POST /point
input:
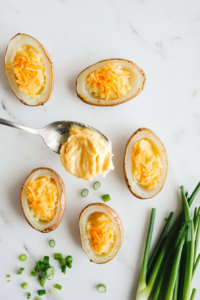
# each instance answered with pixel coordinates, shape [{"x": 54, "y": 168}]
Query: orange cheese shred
[
  {"x": 29, "y": 72},
  {"x": 42, "y": 194},
  {"x": 108, "y": 82},
  {"x": 146, "y": 164},
  {"x": 101, "y": 232}
]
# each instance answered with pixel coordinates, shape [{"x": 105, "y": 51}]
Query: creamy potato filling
[
  {"x": 29, "y": 71},
  {"x": 108, "y": 82},
  {"x": 101, "y": 232},
  {"x": 86, "y": 154},
  {"x": 42, "y": 194},
  {"x": 146, "y": 164}
]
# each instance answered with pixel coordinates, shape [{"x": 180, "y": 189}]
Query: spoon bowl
[{"x": 55, "y": 134}]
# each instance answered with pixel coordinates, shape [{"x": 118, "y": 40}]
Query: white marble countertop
[{"x": 163, "y": 38}]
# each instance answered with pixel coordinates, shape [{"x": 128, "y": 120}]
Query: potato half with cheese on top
[
  {"x": 29, "y": 70},
  {"x": 43, "y": 199},
  {"x": 145, "y": 164},
  {"x": 110, "y": 82},
  {"x": 101, "y": 232}
]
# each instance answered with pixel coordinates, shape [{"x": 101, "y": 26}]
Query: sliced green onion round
[
  {"x": 106, "y": 198},
  {"x": 23, "y": 257},
  {"x": 49, "y": 271},
  {"x": 84, "y": 192},
  {"x": 58, "y": 256},
  {"x": 58, "y": 287},
  {"x": 52, "y": 243},
  {"x": 101, "y": 288},
  {"x": 41, "y": 292},
  {"x": 42, "y": 281},
  {"x": 54, "y": 292},
  {"x": 96, "y": 185},
  {"x": 69, "y": 258},
  {"x": 63, "y": 269},
  {"x": 28, "y": 295},
  {"x": 46, "y": 260},
  {"x": 50, "y": 277},
  {"x": 8, "y": 280},
  {"x": 38, "y": 298},
  {"x": 25, "y": 285},
  {"x": 7, "y": 275},
  {"x": 20, "y": 271},
  {"x": 33, "y": 274}
]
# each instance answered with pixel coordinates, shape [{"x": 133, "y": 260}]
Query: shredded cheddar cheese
[
  {"x": 146, "y": 164},
  {"x": 42, "y": 195},
  {"x": 108, "y": 82},
  {"x": 101, "y": 232},
  {"x": 28, "y": 70}
]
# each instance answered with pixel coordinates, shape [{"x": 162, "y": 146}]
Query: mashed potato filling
[
  {"x": 86, "y": 154},
  {"x": 101, "y": 232},
  {"x": 42, "y": 194},
  {"x": 108, "y": 82},
  {"x": 146, "y": 164},
  {"x": 29, "y": 71}
]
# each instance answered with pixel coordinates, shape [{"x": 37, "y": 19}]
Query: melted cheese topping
[
  {"x": 101, "y": 232},
  {"x": 29, "y": 71},
  {"x": 42, "y": 194},
  {"x": 146, "y": 164},
  {"x": 86, "y": 154},
  {"x": 108, "y": 82}
]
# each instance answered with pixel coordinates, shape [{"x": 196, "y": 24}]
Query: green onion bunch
[{"x": 168, "y": 274}]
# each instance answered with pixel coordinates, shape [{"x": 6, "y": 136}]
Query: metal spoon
[{"x": 54, "y": 134}]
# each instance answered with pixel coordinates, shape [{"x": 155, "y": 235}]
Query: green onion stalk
[{"x": 168, "y": 273}]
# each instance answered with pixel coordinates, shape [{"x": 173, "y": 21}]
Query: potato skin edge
[{"x": 62, "y": 200}]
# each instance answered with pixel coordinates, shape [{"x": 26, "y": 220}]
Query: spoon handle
[{"x": 18, "y": 126}]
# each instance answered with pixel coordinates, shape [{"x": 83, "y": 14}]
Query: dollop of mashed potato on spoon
[{"x": 86, "y": 154}]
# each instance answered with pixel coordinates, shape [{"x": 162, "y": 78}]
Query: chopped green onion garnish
[
  {"x": 58, "y": 256},
  {"x": 63, "y": 262},
  {"x": 8, "y": 280},
  {"x": 52, "y": 243},
  {"x": 42, "y": 281},
  {"x": 101, "y": 288},
  {"x": 33, "y": 274},
  {"x": 69, "y": 258},
  {"x": 23, "y": 257},
  {"x": 49, "y": 271},
  {"x": 25, "y": 285},
  {"x": 38, "y": 266},
  {"x": 38, "y": 298},
  {"x": 69, "y": 264},
  {"x": 53, "y": 292},
  {"x": 41, "y": 292},
  {"x": 106, "y": 198},
  {"x": 43, "y": 266},
  {"x": 7, "y": 275},
  {"x": 84, "y": 192},
  {"x": 28, "y": 295},
  {"x": 50, "y": 277},
  {"x": 20, "y": 271},
  {"x": 58, "y": 287},
  {"x": 97, "y": 185},
  {"x": 46, "y": 260},
  {"x": 63, "y": 269}
]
